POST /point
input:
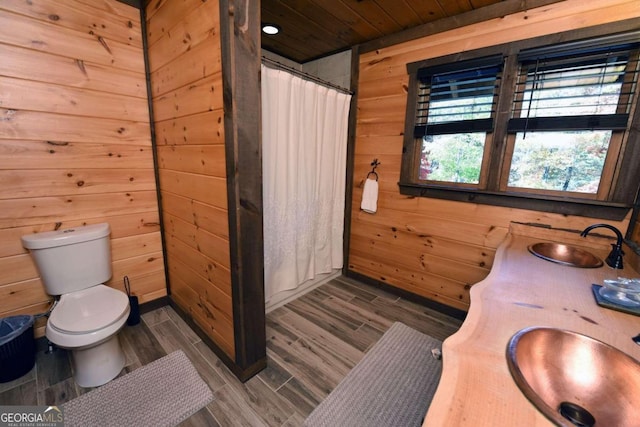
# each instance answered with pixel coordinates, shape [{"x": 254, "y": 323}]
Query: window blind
[
  {"x": 586, "y": 88},
  {"x": 459, "y": 98}
]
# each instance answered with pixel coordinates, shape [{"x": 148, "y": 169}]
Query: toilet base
[{"x": 95, "y": 366}]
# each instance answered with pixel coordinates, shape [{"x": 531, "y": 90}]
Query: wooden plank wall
[
  {"x": 75, "y": 144},
  {"x": 437, "y": 248},
  {"x": 186, "y": 78}
]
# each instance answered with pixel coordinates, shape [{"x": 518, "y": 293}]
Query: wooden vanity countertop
[{"x": 476, "y": 388}]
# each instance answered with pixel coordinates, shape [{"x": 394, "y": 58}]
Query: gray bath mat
[
  {"x": 391, "y": 386},
  {"x": 163, "y": 393}
]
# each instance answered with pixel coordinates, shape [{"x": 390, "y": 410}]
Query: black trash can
[{"x": 17, "y": 347}]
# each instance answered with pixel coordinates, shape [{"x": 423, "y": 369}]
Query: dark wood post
[{"x": 240, "y": 38}]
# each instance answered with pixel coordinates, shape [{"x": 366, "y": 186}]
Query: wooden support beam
[{"x": 240, "y": 36}]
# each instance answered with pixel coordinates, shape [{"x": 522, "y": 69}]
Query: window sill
[{"x": 559, "y": 205}]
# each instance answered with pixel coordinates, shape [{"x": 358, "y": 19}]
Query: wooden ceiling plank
[
  {"x": 374, "y": 14},
  {"x": 400, "y": 12},
  {"x": 325, "y": 20},
  {"x": 294, "y": 23},
  {"x": 312, "y": 41},
  {"x": 495, "y": 10},
  {"x": 455, "y": 7},
  {"x": 476, "y": 4},
  {"x": 312, "y": 29},
  {"x": 428, "y": 10},
  {"x": 285, "y": 48},
  {"x": 347, "y": 16}
]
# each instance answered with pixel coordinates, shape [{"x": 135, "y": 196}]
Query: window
[
  {"x": 528, "y": 125},
  {"x": 455, "y": 112}
]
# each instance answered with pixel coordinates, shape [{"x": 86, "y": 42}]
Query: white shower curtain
[{"x": 304, "y": 143}]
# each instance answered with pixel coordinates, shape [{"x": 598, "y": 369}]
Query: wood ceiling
[{"x": 311, "y": 29}]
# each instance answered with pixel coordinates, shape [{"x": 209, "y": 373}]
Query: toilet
[{"x": 73, "y": 264}]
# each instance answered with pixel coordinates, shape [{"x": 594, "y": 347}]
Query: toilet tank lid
[{"x": 52, "y": 239}]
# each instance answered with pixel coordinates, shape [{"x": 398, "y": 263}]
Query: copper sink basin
[
  {"x": 565, "y": 255},
  {"x": 575, "y": 380}
]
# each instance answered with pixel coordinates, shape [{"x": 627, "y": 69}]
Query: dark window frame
[{"x": 627, "y": 177}]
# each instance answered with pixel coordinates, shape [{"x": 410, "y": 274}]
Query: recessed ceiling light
[{"x": 270, "y": 29}]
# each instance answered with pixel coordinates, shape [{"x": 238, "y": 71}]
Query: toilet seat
[
  {"x": 88, "y": 310},
  {"x": 88, "y": 317}
]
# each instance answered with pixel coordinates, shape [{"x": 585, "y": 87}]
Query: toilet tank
[{"x": 73, "y": 259}]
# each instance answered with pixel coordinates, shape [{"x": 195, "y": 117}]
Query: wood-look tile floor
[{"x": 312, "y": 343}]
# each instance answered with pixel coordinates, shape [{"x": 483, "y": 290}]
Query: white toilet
[{"x": 73, "y": 264}]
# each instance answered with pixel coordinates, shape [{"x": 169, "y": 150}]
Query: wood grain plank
[
  {"x": 172, "y": 339},
  {"x": 24, "y": 155},
  {"x": 385, "y": 274},
  {"x": 197, "y": 129},
  {"x": 35, "y": 183},
  {"x": 270, "y": 407},
  {"x": 369, "y": 127},
  {"x": 23, "y": 394},
  {"x": 199, "y": 26},
  {"x": 396, "y": 85},
  {"x": 81, "y": 17},
  {"x": 31, "y": 125},
  {"x": 162, "y": 16},
  {"x": 147, "y": 287},
  {"x": 200, "y": 96},
  {"x": 373, "y": 13},
  {"x": 19, "y": 94},
  {"x": 298, "y": 393},
  {"x": 143, "y": 341},
  {"x": 203, "y": 188},
  {"x": 17, "y": 295},
  {"x": 477, "y": 234},
  {"x": 29, "y": 33},
  {"x": 199, "y": 159},
  {"x": 230, "y": 410},
  {"x": 127, "y": 247},
  {"x": 122, "y": 226},
  {"x": 40, "y": 66},
  {"x": 306, "y": 362},
  {"x": 373, "y": 145},
  {"x": 302, "y": 326},
  {"x": 202, "y": 314},
  {"x": 390, "y": 109},
  {"x": 414, "y": 243},
  {"x": 413, "y": 318},
  {"x": 207, "y": 217},
  {"x": 24, "y": 212},
  {"x": 17, "y": 268},
  {"x": 182, "y": 325},
  {"x": 361, "y": 291},
  {"x": 114, "y": 7},
  {"x": 210, "y": 245},
  {"x": 355, "y": 311},
  {"x": 205, "y": 267},
  {"x": 198, "y": 63},
  {"x": 142, "y": 265}
]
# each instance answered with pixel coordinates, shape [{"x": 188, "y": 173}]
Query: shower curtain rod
[{"x": 275, "y": 64}]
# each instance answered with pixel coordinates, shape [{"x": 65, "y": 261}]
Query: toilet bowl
[
  {"x": 74, "y": 264},
  {"x": 87, "y": 322}
]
